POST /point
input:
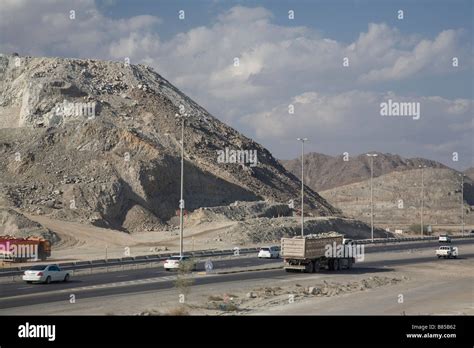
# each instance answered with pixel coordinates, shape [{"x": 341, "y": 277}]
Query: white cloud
[
  {"x": 275, "y": 61},
  {"x": 436, "y": 54},
  {"x": 460, "y": 106},
  {"x": 279, "y": 65},
  {"x": 241, "y": 14},
  {"x": 351, "y": 121},
  {"x": 45, "y": 28}
]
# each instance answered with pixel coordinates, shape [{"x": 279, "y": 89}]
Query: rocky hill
[
  {"x": 98, "y": 142},
  {"x": 323, "y": 172},
  {"x": 397, "y": 198},
  {"x": 16, "y": 224}
]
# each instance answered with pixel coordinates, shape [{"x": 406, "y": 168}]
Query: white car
[
  {"x": 268, "y": 253},
  {"x": 347, "y": 241},
  {"x": 46, "y": 274},
  {"x": 174, "y": 262},
  {"x": 444, "y": 238}
]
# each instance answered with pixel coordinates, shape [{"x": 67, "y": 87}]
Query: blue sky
[
  {"x": 285, "y": 62},
  {"x": 340, "y": 20}
]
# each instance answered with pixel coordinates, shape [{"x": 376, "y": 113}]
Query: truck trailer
[
  {"x": 14, "y": 249},
  {"x": 313, "y": 252}
]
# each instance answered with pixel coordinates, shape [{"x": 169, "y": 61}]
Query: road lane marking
[
  {"x": 106, "y": 285},
  {"x": 92, "y": 287}
]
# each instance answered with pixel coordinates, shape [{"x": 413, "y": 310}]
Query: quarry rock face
[{"x": 98, "y": 142}]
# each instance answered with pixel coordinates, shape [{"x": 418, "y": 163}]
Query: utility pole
[
  {"x": 181, "y": 200},
  {"x": 106, "y": 258},
  {"x": 462, "y": 203},
  {"x": 372, "y": 155},
  {"x": 422, "y": 197},
  {"x": 302, "y": 184}
]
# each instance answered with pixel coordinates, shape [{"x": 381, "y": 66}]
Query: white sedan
[
  {"x": 174, "y": 262},
  {"x": 444, "y": 238},
  {"x": 269, "y": 253},
  {"x": 46, "y": 274}
]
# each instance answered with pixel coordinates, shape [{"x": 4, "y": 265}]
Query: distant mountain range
[
  {"x": 397, "y": 198},
  {"x": 323, "y": 172},
  {"x": 397, "y": 188}
]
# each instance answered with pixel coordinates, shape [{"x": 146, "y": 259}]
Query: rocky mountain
[
  {"x": 98, "y": 142},
  {"x": 16, "y": 224},
  {"x": 323, "y": 172},
  {"x": 397, "y": 198}
]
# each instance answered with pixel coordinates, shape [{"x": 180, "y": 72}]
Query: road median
[{"x": 250, "y": 269}]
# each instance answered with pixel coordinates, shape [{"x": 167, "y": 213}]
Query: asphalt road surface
[
  {"x": 130, "y": 275},
  {"x": 155, "y": 279}
]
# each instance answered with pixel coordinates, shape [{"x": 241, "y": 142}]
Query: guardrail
[
  {"x": 400, "y": 240},
  {"x": 77, "y": 265}
]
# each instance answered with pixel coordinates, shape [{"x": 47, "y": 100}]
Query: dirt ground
[{"x": 86, "y": 242}]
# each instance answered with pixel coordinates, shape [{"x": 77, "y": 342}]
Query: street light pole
[
  {"x": 302, "y": 184},
  {"x": 181, "y": 200},
  {"x": 422, "y": 198},
  {"x": 462, "y": 203},
  {"x": 372, "y": 155}
]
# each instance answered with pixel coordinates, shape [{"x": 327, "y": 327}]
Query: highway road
[
  {"x": 148, "y": 279},
  {"x": 14, "y": 289}
]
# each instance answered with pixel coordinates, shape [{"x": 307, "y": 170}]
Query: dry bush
[
  {"x": 215, "y": 298},
  {"x": 181, "y": 310}
]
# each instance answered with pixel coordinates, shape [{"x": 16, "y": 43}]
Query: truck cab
[{"x": 6, "y": 256}]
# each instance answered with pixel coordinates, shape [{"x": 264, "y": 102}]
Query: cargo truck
[
  {"x": 14, "y": 249},
  {"x": 313, "y": 252}
]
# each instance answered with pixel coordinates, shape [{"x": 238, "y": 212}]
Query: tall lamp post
[
  {"x": 462, "y": 202},
  {"x": 302, "y": 183},
  {"x": 422, "y": 197},
  {"x": 181, "y": 117},
  {"x": 372, "y": 155}
]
